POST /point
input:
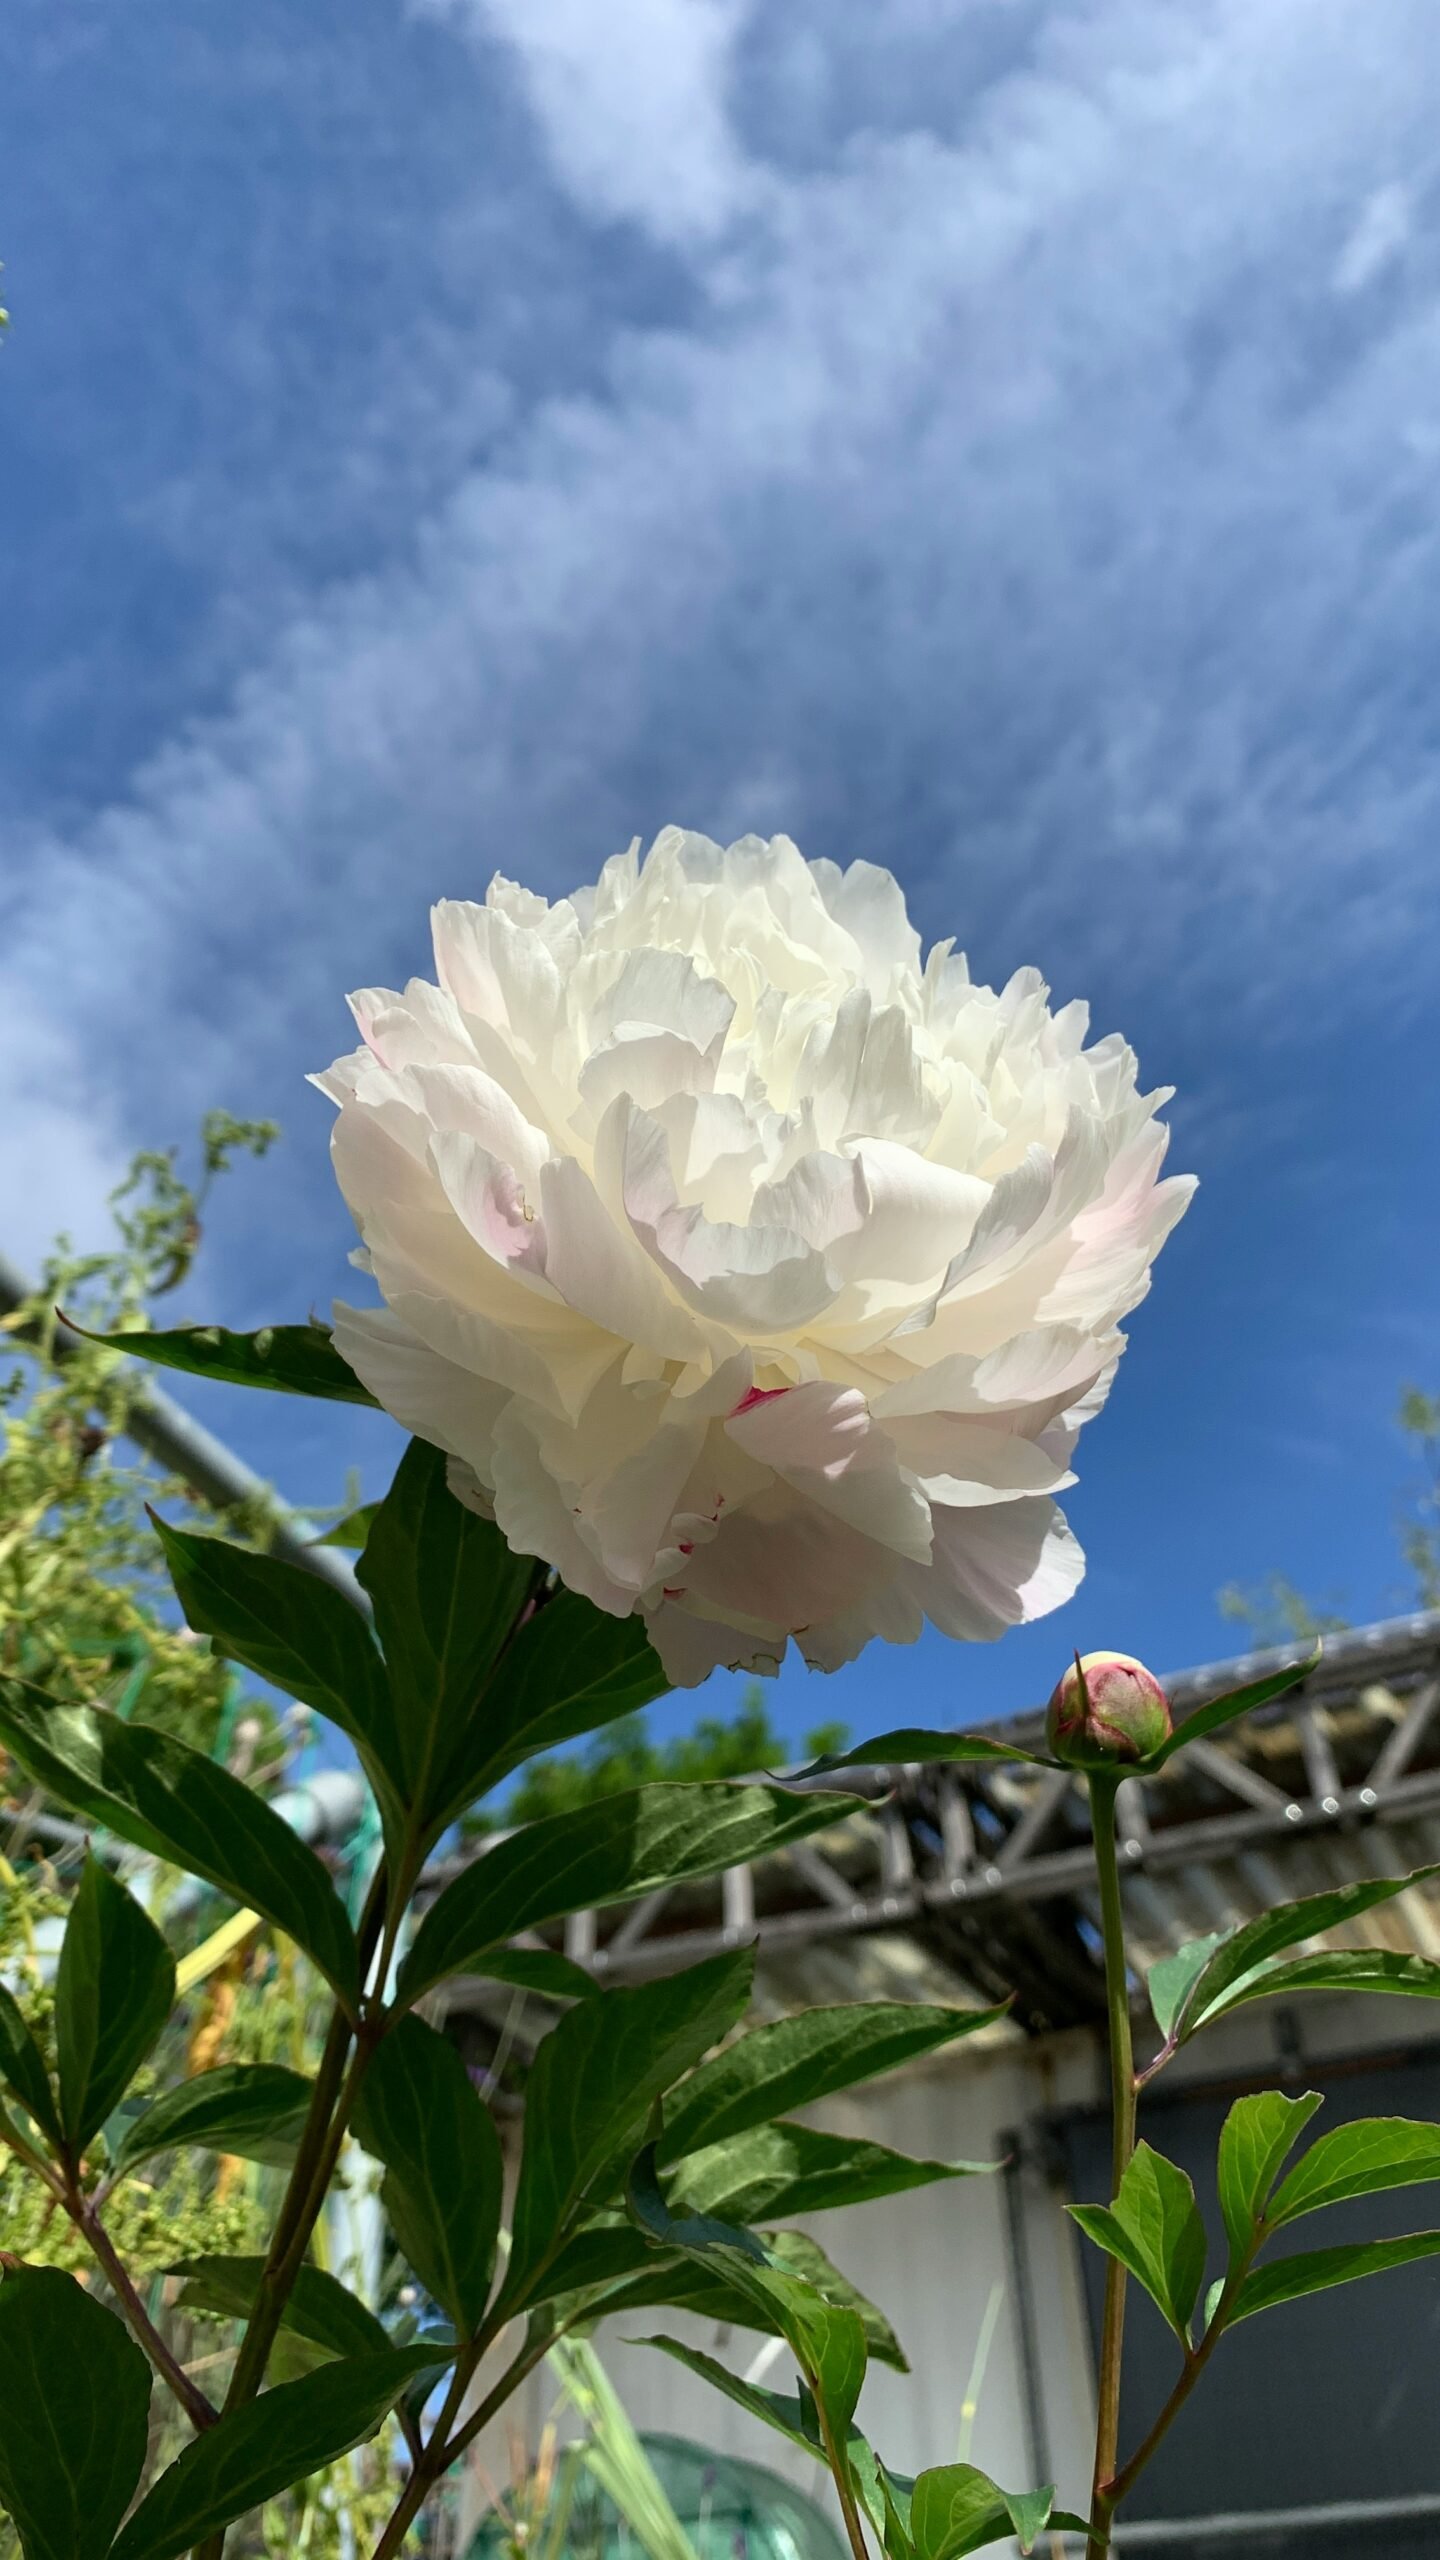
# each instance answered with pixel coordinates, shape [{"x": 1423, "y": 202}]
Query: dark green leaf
[
  {"x": 1167, "y": 1982},
  {"x": 1315, "y": 2269},
  {"x": 319, "y": 2307},
  {"x": 22, "y": 2067},
  {"x": 295, "y": 1359},
  {"x": 797, "y": 2254},
  {"x": 74, "y": 2409},
  {"x": 609, "y": 1852},
  {"x": 910, "y": 1744},
  {"x": 1218, "y": 1984},
  {"x": 254, "y": 2452},
  {"x": 600, "y": 2282},
  {"x": 291, "y": 1628},
  {"x": 256, "y": 2110},
  {"x": 793, "y": 2061},
  {"x": 1154, "y": 2229},
  {"x": 593, "y": 2083},
  {"x": 955, "y": 2509},
  {"x": 159, "y": 1794},
  {"x": 782, "y": 2410},
  {"x": 1224, "y": 1710},
  {"x": 1254, "y": 2139},
  {"x": 569, "y": 1670},
  {"x": 1359, "y": 2159},
  {"x": 537, "y": 1969},
  {"x": 114, "y": 1990},
  {"x": 419, "y": 2112},
  {"x": 783, "y": 2169},
  {"x": 446, "y": 1590}
]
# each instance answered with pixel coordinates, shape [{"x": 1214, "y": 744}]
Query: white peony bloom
[{"x": 759, "y": 1277}]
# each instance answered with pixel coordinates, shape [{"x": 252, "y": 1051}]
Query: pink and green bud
[{"x": 1107, "y": 1709}]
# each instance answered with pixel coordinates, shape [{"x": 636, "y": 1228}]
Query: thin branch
[{"x": 201, "y": 2412}]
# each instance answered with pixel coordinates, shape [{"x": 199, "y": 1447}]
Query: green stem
[
  {"x": 87, "y": 2221},
  {"x": 445, "y": 2448},
  {"x": 840, "y": 2473},
  {"x": 1196, "y": 2359},
  {"x": 1104, "y": 2493}
]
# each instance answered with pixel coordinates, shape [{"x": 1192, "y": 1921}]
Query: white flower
[{"x": 758, "y": 1277}]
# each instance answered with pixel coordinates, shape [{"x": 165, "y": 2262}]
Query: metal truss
[{"x": 986, "y": 1870}]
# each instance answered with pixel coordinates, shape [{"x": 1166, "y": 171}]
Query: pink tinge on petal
[{"x": 757, "y": 1395}]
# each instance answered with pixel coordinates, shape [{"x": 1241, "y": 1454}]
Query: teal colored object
[{"x": 730, "y": 2509}]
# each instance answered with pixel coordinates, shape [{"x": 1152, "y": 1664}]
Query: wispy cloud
[{"x": 1015, "y": 462}]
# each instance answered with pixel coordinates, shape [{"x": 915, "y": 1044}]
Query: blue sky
[{"x": 998, "y": 438}]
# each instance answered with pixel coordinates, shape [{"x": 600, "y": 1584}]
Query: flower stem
[
  {"x": 86, "y": 2219},
  {"x": 1122, "y": 2143}
]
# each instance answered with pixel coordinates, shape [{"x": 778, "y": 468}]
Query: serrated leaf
[
  {"x": 255, "y": 2110},
  {"x": 1167, "y": 1982},
  {"x": 22, "y": 2067},
  {"x": 250, "y": 2454},
  {"x": 1236, "y": 1702},
  {"x": 74, "y": 2411},
  {"x": 908, "y": 1745},
  {"x": 446, "y": 1591},
  {"x": 1242, "y": 1952},
  {"x": 614, "y": 1851},
  {"x": 1314, "y": 2270},
  {"x": 289, "y": 1627},
  {"x": 1256, "y": 2134},
  {"x": 591, "y": 2088},
  {"x": 419, "y": 2112},
  {"x": 157, "y": 1793},
  {"x": 114, "y": 1991},
  {"x": 790, "y": 2062},
  {"x": 784, "y": 2169},
  {"x": 1365, "y": 2158},
  {"x": 292, "y": 1359},
  {"x": 1154, "y": 2229},
  {"x": 569, "y": 1670},
  {"x": 318, "y": 2308}
]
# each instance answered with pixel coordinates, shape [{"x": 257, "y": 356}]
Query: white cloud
[
  {"x": 631, "y": 98},
  {"x": 1020, "y": 508}
]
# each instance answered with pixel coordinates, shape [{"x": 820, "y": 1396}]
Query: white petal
[{"x": 432, "y": 1397}]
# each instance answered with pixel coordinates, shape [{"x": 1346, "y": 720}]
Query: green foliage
[
  {"x": 1254, "y": 2139},
  {"x": 625, "y": 1756},
  {"x": 74, "y": 2409},
  {"x": 248, "y": 2110},
  {"x": 320, "y": 2309},
  {"x": 419, "y": 2113},
  {"x": 1154, "y": 2229},
  {"x": 793, "y": 2061},
  {"x": 782, "y": 2169},
  {"x": 1217, "y": 1974},
  {"x": 113, "y": 1995}
]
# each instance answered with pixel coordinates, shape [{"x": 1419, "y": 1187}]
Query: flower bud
[{"x": 1107, "y": 1708}]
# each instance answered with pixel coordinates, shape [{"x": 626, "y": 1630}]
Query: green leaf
[
  {"x": 591, "y": 2088},
  {"x": 419, "y": 2112},
  {"x": 114, "y": 1990},
  {"x": 289, "y": 1627},
  {"x": 1360, "y": 2159},
  {"x": 160, "y": 1795},
  {"x": 793, "y": 2168},
  {"x": 793, "y": 2061},
  {"x": 22, "y": 2068},
  {"x": 1315, "y": 2269},
  {"x": 570, "y": 1669},
  {"x": 446, "y": 1591},
  {"x": 797, "y": 2254},
  {"x": 1369, "y": 1969},
  {"x": 784, "y": 2411},
  {"x": 255, "y": 2110},
  {"x": 294, "y": 1359},
  {"x": 910, "y": 1744},
  {"x": 1167, "y": 1982},
  {"x": 1254, "y": 2139},
  {"x": 1225, "y": 1979},
  {"x": 254, "y": 2452},
  {"x": 1154, "y": 2229},
  {"x": 602, "y": 2282},
  {"x": 955, "y": 2509},
  {"x": 1238, "y": 1702},
  {"x": 352, "y": 1531},
  {"x": 319, "y": 2308},
  {"x": 74, "y": 2412},
  {"x": 613, "y": 1851},
  {"x": 537, "y": 1969}
]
